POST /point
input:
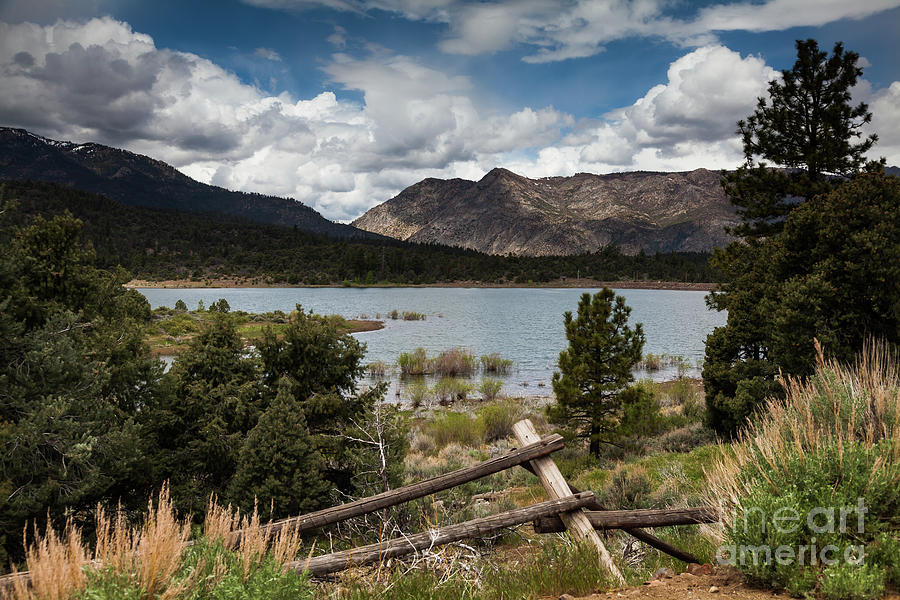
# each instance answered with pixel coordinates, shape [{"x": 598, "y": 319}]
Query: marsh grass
[
  {"x": 454, "y": 362},
  {"x": 378, "y": 369},
  {"x": 496, "y": 364},
  {"x": 414, "y": 363}
]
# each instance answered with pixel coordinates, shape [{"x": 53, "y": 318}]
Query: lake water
[{"x": 521, "y": 324}]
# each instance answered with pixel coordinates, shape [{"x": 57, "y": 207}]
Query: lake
[{"x": 522, "y": 324}]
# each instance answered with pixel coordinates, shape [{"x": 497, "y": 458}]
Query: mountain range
[
  {"x": 505, "y": 213},
  {"x": 138, "y": 180}
]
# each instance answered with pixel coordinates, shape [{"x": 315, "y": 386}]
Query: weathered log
[
  {"x": 556, "y": 487},
  {"x": 626, "y": 519},
  {"x": 374, "y": 553},
  {"x": 640, "y": 534},
  {"x": 530, "y": 451}
]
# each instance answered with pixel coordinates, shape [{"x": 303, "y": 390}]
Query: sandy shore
[{"x": 569, "y": 283}]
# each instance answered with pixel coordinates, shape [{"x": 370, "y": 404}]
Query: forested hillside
[{"x": 159, "y": 244}]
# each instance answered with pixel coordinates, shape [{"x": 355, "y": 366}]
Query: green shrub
[
  {"x": 449, "y": 389},
  {"x": 416, "y": 392},
  {"x": 489, "y": 388},
  {"x": 180, "y": 324},
  {"x": 496, "y": 420},
  {"x": 409, "y": 315},
  {"x": 641, "y": 414},
  {"x": 627, "y": 487},
  {"x": 829, "y": 446},
  {"x": 180, "y": 305},
  {"x": 453, "y": 427},
  {"x": 683, "y": 439},
  {"x": 848, "y": 582}
]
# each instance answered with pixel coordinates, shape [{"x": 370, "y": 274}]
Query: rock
[
  {"x": 713, "y": 589},
  {"x": 566, "y": 597},
  {"x": 695, "y": 569},
  {"x": 506, "y": 213}
]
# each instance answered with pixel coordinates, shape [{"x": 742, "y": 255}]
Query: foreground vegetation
[
  {"x": 138, "y": 558},
  {"x": 820, "y": 467}
]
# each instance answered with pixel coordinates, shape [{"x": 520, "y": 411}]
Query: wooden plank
[
  {"x": 640, "y": 534},
  {"x": 526, "y": 452},
  {"x": 626, "y": 519},
  {"x": 374, "y": 553},
  {"x": 555, "y": 485}
]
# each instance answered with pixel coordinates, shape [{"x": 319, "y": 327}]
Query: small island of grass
[{"x": 171, "y": 329}]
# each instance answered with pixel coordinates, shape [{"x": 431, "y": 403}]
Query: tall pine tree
[{"x": 596, "y": 367}]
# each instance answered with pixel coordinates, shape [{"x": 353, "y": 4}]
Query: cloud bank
[
  {"x": 101, "y": 81},
  {"x": 580, "y": 28}
]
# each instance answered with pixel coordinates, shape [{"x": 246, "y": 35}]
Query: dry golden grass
[
  {"x": 149, "y": 555},
  {"x": 55, "y": 565},
  {"x": 843, "y": 404}
]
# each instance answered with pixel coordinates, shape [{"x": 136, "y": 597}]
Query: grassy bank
[{"x": 172, "y": 330}]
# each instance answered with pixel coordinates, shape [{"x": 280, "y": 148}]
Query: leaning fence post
[{"x": 555, "y": 484}]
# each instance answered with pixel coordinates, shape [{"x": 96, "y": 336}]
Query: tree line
[{"x": 159, "y": 244}]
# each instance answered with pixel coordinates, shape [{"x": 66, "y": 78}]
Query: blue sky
[{"x": 343, "y": 103}]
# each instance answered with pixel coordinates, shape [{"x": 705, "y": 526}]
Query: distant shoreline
[{"x": 569, "y": 283}]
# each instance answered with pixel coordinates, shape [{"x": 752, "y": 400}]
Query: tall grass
[
  {"x": 454, "y": 362},
  {"x": 494, "y": 363},
  {"x": 150, "y": 560},
  {"x": 414, "y": 363},
  {"x": 834, "y": 438}
]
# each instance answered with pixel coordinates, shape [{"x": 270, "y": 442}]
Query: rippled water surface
[{"x": 522, "y": 324}]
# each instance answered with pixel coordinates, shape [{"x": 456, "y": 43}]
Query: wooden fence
[{"x": 568, "y": 509}]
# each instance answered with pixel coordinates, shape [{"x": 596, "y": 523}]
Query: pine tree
[
  {"x": 810, "y": 130},
  {"x": 597, "y": 365},
  {"x": 809, "y": 127},
  {"x": 278, "y": 464}
]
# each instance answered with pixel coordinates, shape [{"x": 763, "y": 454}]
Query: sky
[{"x": 341, "y": 104}]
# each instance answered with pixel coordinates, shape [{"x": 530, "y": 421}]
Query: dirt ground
[{"x": 700, "y": 582}]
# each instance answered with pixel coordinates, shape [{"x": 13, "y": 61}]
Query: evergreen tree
[
  {"x": 278, "y": 465},
  {"x": 597, "y": 365},
  {"x": 215, "y": 400},
  {"x": 76, "y": 379},
  {"x": 322, "y": 366},
  {"x": 807, "y": 127}
]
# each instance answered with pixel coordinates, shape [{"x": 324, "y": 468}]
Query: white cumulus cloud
[{"x": 101, "y": 81}]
